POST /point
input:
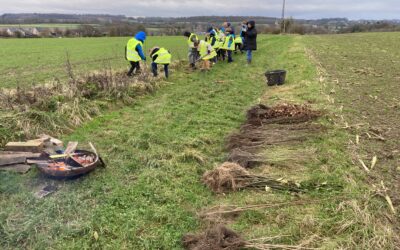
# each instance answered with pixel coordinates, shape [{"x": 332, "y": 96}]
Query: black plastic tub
[{"x": 275, "y": 77}]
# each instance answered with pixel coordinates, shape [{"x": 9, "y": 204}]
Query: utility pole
[{"x": 283, "y": 27}]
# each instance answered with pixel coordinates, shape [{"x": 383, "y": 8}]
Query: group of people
[
  {"x": 218, "y": 45},
  {"x": 134, "y": 54}
]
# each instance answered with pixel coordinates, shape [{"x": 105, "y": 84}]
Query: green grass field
[
  {"x": 158, "y": 148},
  {"x": 35, "y": 61}
]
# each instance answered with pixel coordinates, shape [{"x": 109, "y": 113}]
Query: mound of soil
[
  {"x": 216, "y": 238},
  {"x": 280, "y": 114}
]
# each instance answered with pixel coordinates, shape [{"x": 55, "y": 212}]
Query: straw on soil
[{"x": 216, "y": 238}]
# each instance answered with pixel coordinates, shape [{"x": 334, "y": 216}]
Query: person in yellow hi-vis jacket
[
  {"x": 193, "y": 53},
  {"x": 212, "y": 39},
  {"x": 134, "y": 52},
  {"x": 229, "y": 44},
  {"x": 160, "y": 56},
  {"x": 207, "y": 53},
  {"x": 221, "y": 40},
  {"x": 239, "y": 44}
]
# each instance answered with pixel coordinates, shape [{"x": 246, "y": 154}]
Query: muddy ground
[{"x": 364, "y": 81}]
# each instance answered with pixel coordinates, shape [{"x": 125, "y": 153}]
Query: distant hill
[
  {"x": 119, "y": 25},
  {"x": 33, "y": 18}
]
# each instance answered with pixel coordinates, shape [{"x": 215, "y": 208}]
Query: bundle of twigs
[
  {"x": 281, "y": 114},
  {"x": 220, "y": 237},
  {"x": 232, "y": 177}
]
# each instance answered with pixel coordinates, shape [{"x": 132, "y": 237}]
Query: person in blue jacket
[{"x": 134, "y": 52}]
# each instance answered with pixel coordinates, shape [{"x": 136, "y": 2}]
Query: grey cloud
[{"x": 299, "y": 9}]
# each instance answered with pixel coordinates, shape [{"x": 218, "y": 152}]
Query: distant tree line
[
  {"x": 177, "y": 26},
  {"x": 372, "y": 27},
  {"x": 84, "y": 30}
]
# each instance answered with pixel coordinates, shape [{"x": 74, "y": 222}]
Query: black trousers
[
  {"x": 135, "y": 68},
  {"x": 154, "y": 68}
]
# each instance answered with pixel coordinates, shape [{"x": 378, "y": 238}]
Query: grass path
[{"x": 156, "y": 151}]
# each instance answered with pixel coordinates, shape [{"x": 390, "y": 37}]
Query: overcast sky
[{"x": 353, "y": 9}]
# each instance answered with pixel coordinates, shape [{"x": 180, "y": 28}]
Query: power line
[{"x": 283, "y": 17}]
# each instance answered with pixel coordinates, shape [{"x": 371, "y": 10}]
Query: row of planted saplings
[{"x": 232, "y": 176}]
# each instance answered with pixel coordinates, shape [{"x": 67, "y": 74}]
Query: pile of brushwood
[
  {"x": 283, "y": 124},
  {"x": 216, "y": 238},
  {"x": 232, "y": 177},
  {"x": 280, "y": 114},
  {"x": 220, "y": 237}
]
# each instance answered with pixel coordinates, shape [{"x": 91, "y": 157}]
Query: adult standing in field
[
  {"x": 160, "y": 56},
  {"x": 250, "y": 40},
  {"x": 134, "y": 52},
  {"x": 193, "y": 52}
]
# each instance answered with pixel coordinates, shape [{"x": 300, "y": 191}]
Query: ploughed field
[
  {"x": 343, "y": 87},
  {"x": 34, "y": 61}
]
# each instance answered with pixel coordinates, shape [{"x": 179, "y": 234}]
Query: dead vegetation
[
  {"x": 220, "y": 237},
  {"x": 216, "y": 238},
  {"x": 284, "y": 124},
  {"x": 266, "y": 128},
  {"x": 232, "y": 177},
  {"x": 59, "y": 107},
  {"x": 280, "y": 114}
]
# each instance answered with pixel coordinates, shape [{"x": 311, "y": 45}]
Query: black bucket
[{"x": 275, "y": 77}]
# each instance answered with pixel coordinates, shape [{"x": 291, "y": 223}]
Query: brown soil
[{"x": 216, "y": 238}]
